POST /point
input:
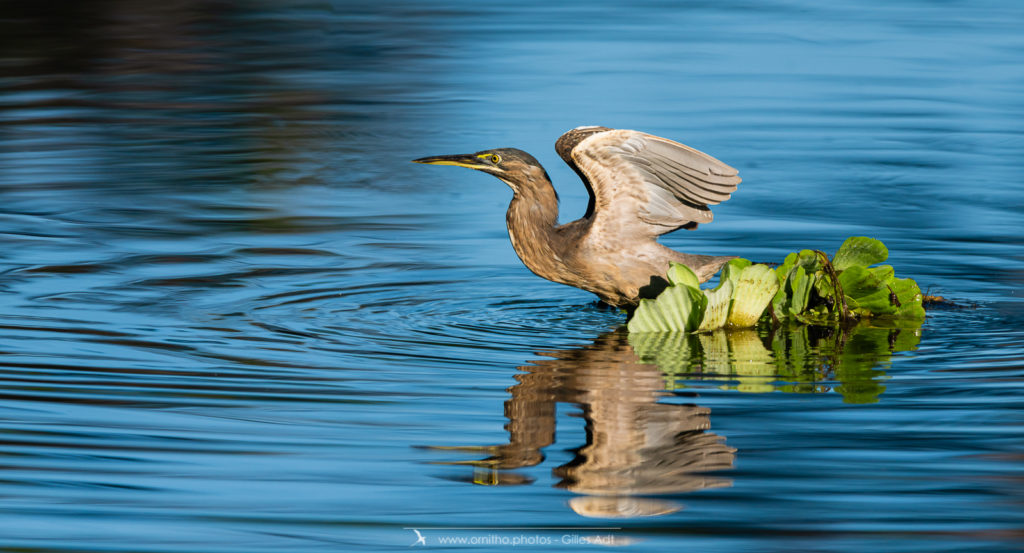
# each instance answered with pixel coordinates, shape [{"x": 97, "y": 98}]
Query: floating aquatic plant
[{"x": 807, "y": 287}]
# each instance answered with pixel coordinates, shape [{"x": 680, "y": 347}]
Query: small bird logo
[{"x": 420, "y": 540}]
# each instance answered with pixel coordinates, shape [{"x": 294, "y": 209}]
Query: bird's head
[{"x": 516, "y": 168}]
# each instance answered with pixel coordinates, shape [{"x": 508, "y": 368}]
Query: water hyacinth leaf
[
  {"x": 866, "y": 294},
  {"x": 820, "y": 315},
  {"x": 701, "y": 301},
  {"x": 859, "y": 250},
  {"x": 809, "y": 260},
  {"x": 681, "y": 275},
  {"x": 885, "y": 273},
  {"x": 782, "y": 300},
  {"x": 675, "y": 318},
  {"x": 908, "y": 295},
  {"x": 825, "y": 289},
  {"x": 732, "y": 270},
  {"x": 717, "y": 311},
  {"x": 756, "y": 287},
  {"x": 780, "y": 303},
  {"x": 677, "y": 309},
  {"x": 782, "y": 271},
  {"x": 647, "y": 318},
  {"x": 800, "y": 283}
]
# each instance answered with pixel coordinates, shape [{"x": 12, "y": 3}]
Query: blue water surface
[{"x": 235, "y": 318}]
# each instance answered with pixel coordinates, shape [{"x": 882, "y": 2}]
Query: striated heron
[{"x": 641, "y": 186}]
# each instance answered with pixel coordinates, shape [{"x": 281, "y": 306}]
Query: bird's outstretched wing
[{"x": 643, "y": 185}]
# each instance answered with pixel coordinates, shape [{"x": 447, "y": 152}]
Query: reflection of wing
[{"x": 642, "y": 185}]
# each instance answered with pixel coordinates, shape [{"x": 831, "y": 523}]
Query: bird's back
[{"x": 622, "y": 273}]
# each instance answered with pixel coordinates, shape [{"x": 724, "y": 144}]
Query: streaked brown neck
[{"x": 532, "y": 217}]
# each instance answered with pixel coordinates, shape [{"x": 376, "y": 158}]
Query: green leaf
[
  {"x": 826, "y": 291},
  {"x": 908, "y": 294},
  {"x": 753, "y": 291},
  {"x": 647, "y": 318},
  {"x": 801, "y": 285},
  {"x": 717, "y": 310},
  {"x": 870, "y": 296},
  {"x": 782, "y": 271},
  {"x": 780, "y": 304},
  {"x": 866, "y": 294},
  {"x": 781, "y": 301},
  {"x": 885, "y": 273},
  {"x": 677, "y": 309},
  {"x": 681, "y": 275},
  {"x": 809, "y": 260},
  {"x": 732, "y": 270},
  {"x": 859, "y": 250}
]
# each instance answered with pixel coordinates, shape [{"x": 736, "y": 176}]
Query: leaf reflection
[{"x": 804, "y": 359}]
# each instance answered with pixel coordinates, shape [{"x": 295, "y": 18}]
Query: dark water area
[{"x": 235, "y": 318}]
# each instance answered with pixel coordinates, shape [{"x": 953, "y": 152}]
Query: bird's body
[{"x": 641, "y": 186}]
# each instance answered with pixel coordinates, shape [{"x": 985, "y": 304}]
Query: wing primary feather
[
  {"x": 664, "y": 184},
  {"x": 701, "y": 161},
  {"x": 662, "y": 177},
  {"x": 663, "y": 208},
  {"x": 696, "y": 173},
  {"x": 716, "y": 192}
]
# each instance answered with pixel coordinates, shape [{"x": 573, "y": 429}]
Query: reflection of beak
[{"x": 470, "y": 161}]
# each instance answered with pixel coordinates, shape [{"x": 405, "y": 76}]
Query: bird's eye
[{"x": 495, "y": 158}]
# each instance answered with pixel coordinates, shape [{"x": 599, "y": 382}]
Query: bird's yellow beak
[{"x": 470, "y": 161}]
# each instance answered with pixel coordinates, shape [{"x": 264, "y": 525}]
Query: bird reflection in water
[{"x": 636, "y": 446}]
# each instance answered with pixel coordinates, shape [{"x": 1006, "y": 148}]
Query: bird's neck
[{"x": 532, "y": 220}]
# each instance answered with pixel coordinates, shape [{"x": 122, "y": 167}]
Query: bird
[{"x": 641, "y": 186}]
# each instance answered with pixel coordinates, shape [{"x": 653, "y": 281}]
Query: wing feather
[
  {"x": 645, "y": 185},
  {"x": 668, "y": 173}
]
